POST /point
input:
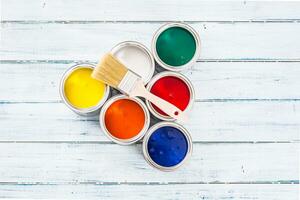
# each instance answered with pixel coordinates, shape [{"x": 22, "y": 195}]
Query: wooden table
[{"x": 245, "y": 123}]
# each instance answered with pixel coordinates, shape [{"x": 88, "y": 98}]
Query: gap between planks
[
  {"x": 278, "y": 182},
  {"x": 140, "y": 142},
  {"x": 196, "y": 100},
  {"x": 93, "y": 61},
  {"x": 147, "y": 22}
]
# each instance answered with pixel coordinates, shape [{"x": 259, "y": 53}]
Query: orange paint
[{"x": 124, "y": 119}]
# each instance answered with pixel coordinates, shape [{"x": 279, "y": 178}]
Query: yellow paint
[{"x": 81, "y": 90}]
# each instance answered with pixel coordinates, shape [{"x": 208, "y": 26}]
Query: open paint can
[
  {"x": 174, "y": 88},
  {"x": 124, "y": 120},
  {"x": 80, "y": 92},
  {"x": 167, "y": 145},
  {"x": 176, "y": 46},
  {"x": 136, "y": 57}
]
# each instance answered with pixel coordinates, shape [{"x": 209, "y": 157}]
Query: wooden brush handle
[
  {"x": 162, "y": 104},
  {"x": 167, "y": 107}
]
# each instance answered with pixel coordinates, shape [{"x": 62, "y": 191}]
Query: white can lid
[{"x": 135, "y": 57}]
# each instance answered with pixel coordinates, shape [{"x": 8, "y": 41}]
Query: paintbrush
[{"x": 112, "y": 72}]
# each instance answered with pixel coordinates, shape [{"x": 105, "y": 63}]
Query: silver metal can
[
  {"x": 190, "y": 30},
  {"x": 136, "y": 138},
  {"x": 81, "y": 111},
  {"x": 170, "y": 74},
  {"x": 136, "y": 57},
  {"x": 167, "y": 148}
]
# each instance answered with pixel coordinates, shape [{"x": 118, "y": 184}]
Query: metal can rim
[
  {"x": 65, "y": 99},
  {"x": 136, "y": 138},
  {"x": 143, "y": 48},
  {"x": 150, "y": 132},
  {"x": 186, "y": 27},
  {"x": 181, "y": 77}
]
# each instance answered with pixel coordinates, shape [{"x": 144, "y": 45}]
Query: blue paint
[{"x": 167, "y": 146}]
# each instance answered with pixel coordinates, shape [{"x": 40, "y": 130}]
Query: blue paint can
[{"x": 167, "y": 145}]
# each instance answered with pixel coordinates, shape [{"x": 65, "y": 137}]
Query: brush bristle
[{"x": 110, "y": 71}]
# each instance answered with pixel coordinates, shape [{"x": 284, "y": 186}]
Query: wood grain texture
[
  {"x": 89, "y": 41},
  {"x": 164, "y": 192},
  {"x": 110, "y": 164},
  {"x": 39, "y": 82},
  {"x": 246, "y": 121},
  {"x": 128, "y": 10}
]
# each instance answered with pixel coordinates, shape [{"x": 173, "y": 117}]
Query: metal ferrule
[
  {"x": 128, "y": 82},
  {"x": 143, "y": 48}
]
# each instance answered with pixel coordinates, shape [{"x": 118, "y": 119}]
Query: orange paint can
[{"x": 124, "y": 120}]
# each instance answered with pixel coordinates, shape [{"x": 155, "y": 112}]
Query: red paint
[{"x": 173, "y": 90}]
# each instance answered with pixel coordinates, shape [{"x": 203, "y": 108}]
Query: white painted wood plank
[
  {"x": 90, "y": 162},
  {"x": 147, "y": 10},
  {"x": 85, "y": 163},
  {"x": 209, "y": 121},
  {"x": 211, "y": 80},
  {"x": 186, "y": 191},
  {"x": 89, "y": 41}
]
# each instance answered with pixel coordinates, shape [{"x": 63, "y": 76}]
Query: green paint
[{"x": 175, "y": 46}]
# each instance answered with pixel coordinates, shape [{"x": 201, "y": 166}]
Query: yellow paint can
[{"x": 81, "y": 92}]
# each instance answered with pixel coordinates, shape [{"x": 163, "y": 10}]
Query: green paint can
[{"x": 176, "y": 46}]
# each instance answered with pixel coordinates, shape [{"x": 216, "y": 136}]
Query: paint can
[
  {"x": 174, "y": 88},
  {"x": 176, "y": 46},
  {"x": 136, "y": 57},
  {"x": 120, "y": 119},
  {"x": 77, "y": 86},
  {"x": 167, "y": 146}
]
